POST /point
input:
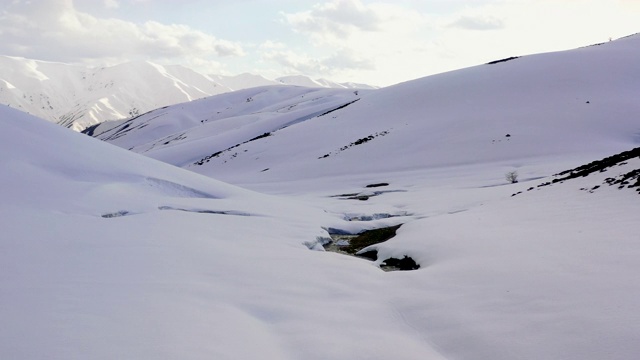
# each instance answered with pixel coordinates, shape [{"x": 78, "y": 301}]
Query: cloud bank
[
  {"x": 55, "y": 30},
  {"x": 379, "y": 42}
]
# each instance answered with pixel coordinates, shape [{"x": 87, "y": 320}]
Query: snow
[
  {"x": 532, "y": 107},
  {"x": 71, "y": 95},
  {"x": 110, "y": 254}
]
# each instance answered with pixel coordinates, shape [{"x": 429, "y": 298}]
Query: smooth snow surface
[{"x": 108, "y": 254}]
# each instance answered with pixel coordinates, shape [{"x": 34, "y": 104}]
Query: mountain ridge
[
  {"x": 559, "y": 103},
  {"x": 77, "y": 96}
]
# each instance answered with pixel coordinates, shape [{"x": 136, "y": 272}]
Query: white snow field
[{"x": 108, "y": 254}]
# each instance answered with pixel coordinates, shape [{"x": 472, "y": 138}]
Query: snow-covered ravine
[
  {"x": 232, "y": 276},
  {"x": 109, "y": 254}
]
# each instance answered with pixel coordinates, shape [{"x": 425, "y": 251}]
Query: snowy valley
[{"x": 199, "y": 230}]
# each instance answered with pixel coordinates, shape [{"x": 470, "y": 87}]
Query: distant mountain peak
[{"x": 79, "y": 96}]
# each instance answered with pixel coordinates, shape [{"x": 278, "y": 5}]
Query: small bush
[{"x": 511, "y": 176}]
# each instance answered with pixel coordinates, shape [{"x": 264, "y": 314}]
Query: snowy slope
[
  {"x": 78, "y": 97},
  {"x": 243, "y": 81},
  {"x": 580, "y": 103},
  {"x": 224, "y": 120},
  {"x": 247, "y": 80},
  {"x": 107, "y": 254}
]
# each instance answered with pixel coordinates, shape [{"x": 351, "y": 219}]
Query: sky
[{"x": 373, "y": 42}]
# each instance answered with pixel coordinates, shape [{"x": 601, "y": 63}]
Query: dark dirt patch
[
  {"x": 502, "y": 60},
  {"x": 377, "y": 185},
  {"x": 355, "y": 243},
  {"x": 370, "y": 237},
  {"x": 406, "y": 263},
  {"x": 630, "y": 179}
]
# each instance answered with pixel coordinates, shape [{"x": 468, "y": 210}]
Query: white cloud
[
  {"x": 338, "y": 17},
  {"x": 338, "y": 21},
  {"x": 55, "y": 30},
  {"x": 478, "y": 23},
  {"x": 360, "y": 38},
  {"x": 272, "y": 45},
  {"x": 348, "y": 60},
  {"x": 397, "y": 43},
  {"x": 297, "y": 63},
  {"x": 111, "y": 4},
  {"x": 369, "y": 41}
]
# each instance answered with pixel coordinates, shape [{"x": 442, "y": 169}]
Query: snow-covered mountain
[
  {"x": 109, "y": 254},
  {"x": 224, "y": 119},
  {"x": 301, "y": 80},
  {"x": 243, "y": 81},
  {"x": 578, "y": 103},
  {"x": 246, "y": 81},
  {"x": 77, "y": 97}
]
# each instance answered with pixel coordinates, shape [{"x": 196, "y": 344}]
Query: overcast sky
[{"x": 374, "y": 42}]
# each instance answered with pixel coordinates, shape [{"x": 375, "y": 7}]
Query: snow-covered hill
[
  {"x": 246, "y": 81},
  {"x": 301, "y": 80},
  {"x": 224, "y": 120},
  {"x": 78, "y": 97},
  {"x": 580, "y": 103},
  {"x": 109, "y": 254}
]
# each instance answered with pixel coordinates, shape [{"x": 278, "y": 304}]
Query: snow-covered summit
[{"x": 77, "y": 96}]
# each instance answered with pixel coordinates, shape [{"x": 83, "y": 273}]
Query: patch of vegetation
[
  {"x": 598, "y": 165},
  {"x": 502, "y": 60},
  {"x": 367, "y": 238},
  {"x": 115, "y": 214},
  {"x": 511, "y": 176},
  {"x": 370, "y": 237},
  {"x": 377, "y": 185},
  {"x": 357, "y": 142},
  {"x": 207, "y": 158},
  {"x": 359, "y": 197},
  {"x": 258, "y": 137},
  {"x": 90, "y": 130},
  {"x": 338, "y": 108},
  {"x": 404, "y": 264},
  {"x": 630, "y": 179},
  {"x": 175, "y": 138},
  {"x": 371, "y": 255}
]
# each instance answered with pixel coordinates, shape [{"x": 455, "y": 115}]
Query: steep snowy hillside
[
  {"x": 78, "y": 97},
  {"x": 301, "y": 80},
  {"x": 224, "y": 120},
  {"x": 243, "y": 81},
  {"x": 107, "y": 254},
  {"x": 580, "y": 103},
  {"x": 246, "y": 81}
]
